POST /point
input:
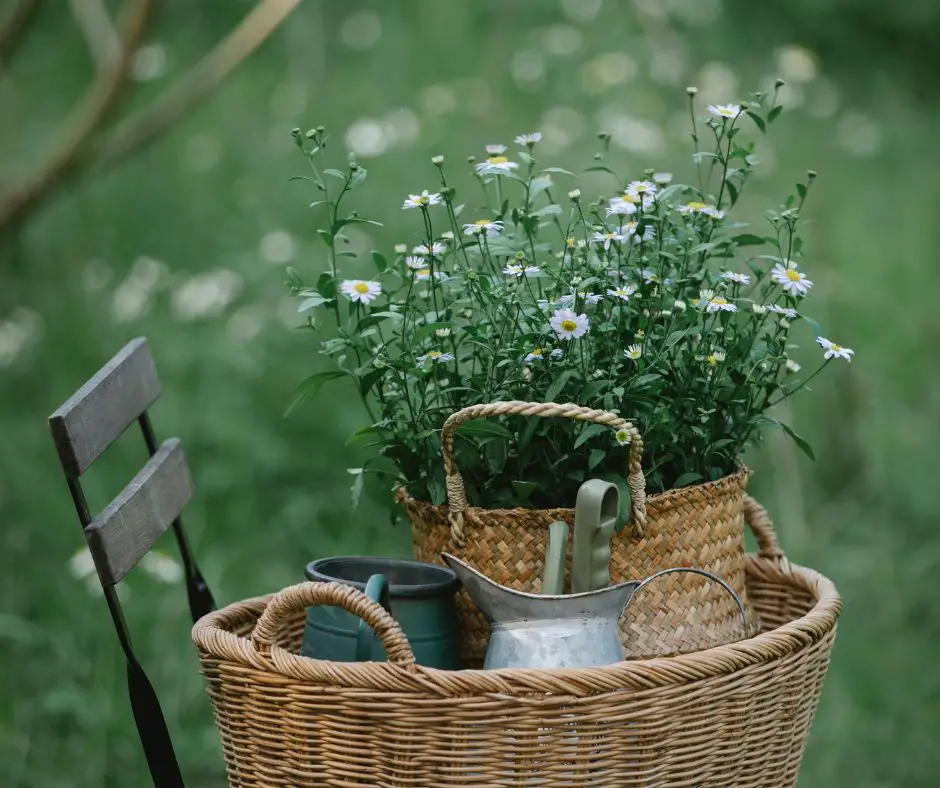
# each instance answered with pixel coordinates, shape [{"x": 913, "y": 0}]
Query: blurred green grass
[{"x": 138, "y": 251}]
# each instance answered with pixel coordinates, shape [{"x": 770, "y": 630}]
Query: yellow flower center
[
  {"x": 836, "y": 347},
  {"x": 422, "y": 200},
  {"x": 497, "y": 160},
  {"x": 696, "y": 206},
  {"x": 568, "y": 325},
  {"x": 793, "y": 275},
  {"x": 537, "y": 351},
  {"x": 423, "y": 272},
  {"x": 630, "y": 198},
  {"x": 434, "y": 353},
  {"x": 712, "y": 359},
  {"x": 484, "y": 222},
  {"x": 720, "y": 300},
  {"x": 361, "y": 287},
  {"x": 622, "y": 436},
  {"x": 570, "y": 242},
  {"x": 640, "y": 334}
]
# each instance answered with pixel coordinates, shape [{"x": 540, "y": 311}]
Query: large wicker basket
[
  {"x": 700, "y": 526},
  {"x": 733, "y": 716}
]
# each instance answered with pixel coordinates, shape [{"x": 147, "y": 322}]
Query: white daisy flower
[
  {"x": 543, "y": 304},
  {"x": 702, "y": 208},
  {"x": 782, "y": 310},
  {"x": 623, "y": 293},
  {"x": 415, "y": 262},
  {"x": 435, "y": 356},
  {"x": 607, "y": 238},
  {"x": 835, "y": 351},
  {"x": 574, "y": 194},
  {"x": 568, "y": 299},
  {"x": 424, "y": 275},
  {"x": 792, "y": 366},
  {"x": 496, "y": 164},
  {"x": 442, "y": 333},
  {"x": 730, "y": 111},
  {"x": 662, "y": 178},
  {"x": 447, "y": 235},
  {"x": 535, "y": 355},
  {"x": 622, "y": 436},
  {"x": 528, "y": 140},
  {"x": 738, "y": 279},
  {"x": 481, "y": 226},
  {"x": 437, "y": 248},
  {"x": 634, "y": 352},
  {"x": 713, "y": 212},
  {"x": 649, "y": 276},
  {"x": 642, "y": 189},
  {"x": 556, "y": 354},
  {"x": 423, "y": 200},
  {"x": 360, "y": 290},
  {"x": 567, "y": 325},
  {"x": 621, "y": 207},
  {"x": 759, "y": 309},
  {"x": 632, "y": 229},
  {"x": 495, "y": 150},
  {"x": 793, "y": 281},
  {"x": 720, "y": 304},
  {"x": 715, "y": 358},
  {"x": 514, "y": 269}
]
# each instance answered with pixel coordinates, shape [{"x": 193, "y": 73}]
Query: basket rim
[
  {"x": 215, "y": 641},
  {"x": 660, "y": 503}
]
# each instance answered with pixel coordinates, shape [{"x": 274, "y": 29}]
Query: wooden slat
[
  {"x": 127, "y": 528},
  {"x": 96, "y": 415}
]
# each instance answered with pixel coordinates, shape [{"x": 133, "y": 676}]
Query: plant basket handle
[
  {"x": 763, "y": 530},
  {"x": 456, "y": 492},
  {"x": 303, "y": 595}
]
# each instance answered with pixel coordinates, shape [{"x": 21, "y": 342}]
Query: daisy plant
[{"x": 652, "y": 299}]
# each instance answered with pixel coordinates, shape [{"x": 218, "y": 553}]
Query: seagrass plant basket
[
  {"x": 733, "y": 716},
  {"x": 700, "y": 526}
]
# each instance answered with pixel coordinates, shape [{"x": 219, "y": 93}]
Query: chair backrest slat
[
  {"x": 96, "y": 415},
  {"x": 127, "y": 528}
]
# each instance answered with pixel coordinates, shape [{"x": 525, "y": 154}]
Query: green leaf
[
  {"x": 335, "y": 174},
  {"x": 732, "y": 190},
  {"x": 558, "y": 384},
  {"x": 524, "y": 491},
  {"x": 688, "y": 478},
  {"x": 549, "y": 210},
  {"x": 816, "y": 328},
  {"x": 748, "y": 239},
  {"x": 311, "y": 302},
  {"x": 559, "y": 170},
  {"x": 758, "y": 120},
  {"x": 801, "y": 190},
  {"x": 539, "y": 185},
  {"x": 595, "y": 458},
  {"x": 326, "y": 236},
  {"x": 367, "y": 381},
  {"x": 484, "y": 429},
  {"x": 310, "y": 387},
  {"x": 600, "y": 168},
  {"x": 358, "y": 482},
  {"x": 589, "y": 432},
  {"x": 774, "y": 113},
  {"x": 358, "y": 176},
  {"x": 381, "y": 264},
  {"x": 799, "y": 441}
]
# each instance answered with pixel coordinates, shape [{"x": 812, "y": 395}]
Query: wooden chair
[{"x": 122, "y": 533}]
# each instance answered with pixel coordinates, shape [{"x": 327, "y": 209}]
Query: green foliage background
[{"x": 274, "y": 493}]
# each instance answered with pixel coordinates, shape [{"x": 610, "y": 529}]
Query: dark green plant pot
[{"x": 419, "y": 596}]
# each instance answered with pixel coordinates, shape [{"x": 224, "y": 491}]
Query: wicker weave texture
[
  {"x": 737, "y": 715},
  {"x": 700, "y": 526}
]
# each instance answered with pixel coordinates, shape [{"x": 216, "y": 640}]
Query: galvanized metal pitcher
[{"x": 554, "y": 631}]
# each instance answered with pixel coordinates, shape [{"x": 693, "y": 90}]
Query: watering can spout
[{"x": 502, "y": 605}]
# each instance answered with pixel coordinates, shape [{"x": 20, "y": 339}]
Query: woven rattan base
[{"x": 737, "y": 715}]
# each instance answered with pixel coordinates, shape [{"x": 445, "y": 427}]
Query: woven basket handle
[
  {"x": 456, "y": 493},
  {"x": 763, "y": 529},
  {"x": 303, "y": 595}
]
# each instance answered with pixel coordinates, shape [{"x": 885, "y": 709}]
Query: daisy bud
[
  {"x": 471, "y": 159},
  {"x": 574, "y": 195},
  {"x": 603, "y": 135},
  {"x": 598, "y": 157},
  {"x": 295, "y": 132},
  {"x": 784, "y": 323},
  {"x": 471, "y": 276},
  {"x": 401, "y": 248},
  {"x": 352, "y": 160},
  {"x": 691, "y": 90},
  {"x": 811, "y": 174},
  {"x": 311, "y": 133},
  {"x": 680, "y": 306},
  {"x": 437, "y": 160},
  {"x": 779, "y": 83}
]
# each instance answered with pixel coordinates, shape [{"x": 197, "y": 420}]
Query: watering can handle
[
  {"x": 703, "y": 573},
  {"x": 456, "y": 493},
  {"x": 298, "y": 597},
  {"x": 377, "y": 591}
]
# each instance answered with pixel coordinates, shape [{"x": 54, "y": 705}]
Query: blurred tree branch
[
  {"x": 84, "y": 145},
  {"x": 13, "y": 27}
]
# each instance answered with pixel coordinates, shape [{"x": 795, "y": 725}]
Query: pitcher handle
[
  {"x": 703, "y": 573},
  {"x": 377, "y": 591}
]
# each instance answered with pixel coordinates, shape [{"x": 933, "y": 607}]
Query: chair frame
[{"x": 118, "y": 395}]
